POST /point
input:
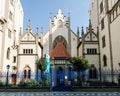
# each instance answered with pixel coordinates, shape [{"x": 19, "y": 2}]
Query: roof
[{"x": 60, "y": 51}]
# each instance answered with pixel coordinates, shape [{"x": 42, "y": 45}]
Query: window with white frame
[
  {"x": 8, "y": 53},
  {"x": 12, "y": 2},
  {"x": 27, "y": 51},
  {"x": 9, "y": 33},
  {"x": 10, "y": 15}
]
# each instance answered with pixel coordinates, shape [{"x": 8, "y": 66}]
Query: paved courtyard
[{"x": 59, "y": 93}]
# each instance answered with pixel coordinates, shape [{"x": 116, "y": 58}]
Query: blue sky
[{"x": 38, "y": 11}]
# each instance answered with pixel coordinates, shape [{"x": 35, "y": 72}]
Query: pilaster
[
  {"x": 50, "y": 36},
  {"x": 82, "y": 42},
  {"x": 69, "y": 34}
]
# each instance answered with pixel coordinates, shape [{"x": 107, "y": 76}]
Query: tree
[
  {"x": 41, "y": 64},
  {"x": 79, "y": 63}
]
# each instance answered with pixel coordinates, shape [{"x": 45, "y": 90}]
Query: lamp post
[
  {"x": 119, "y": 64},
  {"x": 8, "y": 67},
  {"x": 119, "y": 76}
]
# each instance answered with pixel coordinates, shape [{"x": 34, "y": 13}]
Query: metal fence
[{"x": 82, "y": 78}]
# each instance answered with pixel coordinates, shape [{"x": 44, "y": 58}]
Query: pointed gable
[
  {"x": 90, "y": 35},
  {"x": 28, "y": 36},
  {"x": 60, "y": 51}
]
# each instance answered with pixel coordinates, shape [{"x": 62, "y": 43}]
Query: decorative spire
[
  {"x": 68, "y": 14},
  {"x": 28, "y": 27},
  {"x": 78, "y": 31},
  {"x": 50, "y": 14},
  {"x": 60, "y": 11},
  {"x": 82, "y": 31},
  {"x": 90, "y": 25},
  {"x": 41, "y": 30},
  {"x": 29, "y": 23},
  {"x": 37, "y": 30}
]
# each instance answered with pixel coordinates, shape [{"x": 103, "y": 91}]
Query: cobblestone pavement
[{"x": 59, "y": 93}]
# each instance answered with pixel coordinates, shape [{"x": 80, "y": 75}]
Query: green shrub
[
  {"x": 30, "y": 84},
  {"x": 22, "y": 84},
  {"x": 47, "y": 82},
  {"x": 2, "y": 84}
]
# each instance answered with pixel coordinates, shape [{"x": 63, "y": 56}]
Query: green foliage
[
  {"x": 47, "y": 82},
  {"x": 41, "y": 64},
  {"x": 2, "y": 84},
  {"x": 29, "y": 84},
  {"x": 79, "y": 63}
]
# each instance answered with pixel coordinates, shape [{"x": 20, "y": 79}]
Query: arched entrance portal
[
  {"x": 93, "y": 72},
  {"x": 60, "y": 76}
]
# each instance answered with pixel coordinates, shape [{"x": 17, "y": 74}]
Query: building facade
[
  {"x": 11, "y": 20},
  {"x": 89, "y": 46},
  {"x": 108, "y": 15},
  {"x": 61, "y": 43},
  {"x": 89, "y": 49},
  {"x": 30, "y": 50}
]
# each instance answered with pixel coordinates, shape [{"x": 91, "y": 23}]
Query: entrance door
[
  {"x": 14, "y": 79},
  {"x": 60, "y": 76}
]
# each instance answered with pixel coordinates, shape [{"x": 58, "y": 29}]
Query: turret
[
  {"x": 78, "y": 35},
  {"x": 37, "y": 40},
  {"x": 69, "y": 19},
  {"x": 28, "y": 29},
  {"x": 41, "y": 35},
  {"x": 82, "y": 32}
]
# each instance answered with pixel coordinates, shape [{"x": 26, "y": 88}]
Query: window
[
  {"x": 11, "y": 2},
  {"x": 31, "y": 51},
  {"x": 9, "y": 33},
  {"x": 92, "y": 51},
  {"x": 11, "y": 15},
  {"x": 101, "y": 7},
  {"x": 104, "y": 60},
  {"x": 14, "y": 59},
  {"x": 102, "y": 24},
  {"x": 23, "y": 51},
  {"x": 8, "y": 53},
  {"x": 103, "y": 42},
  {"x": 27, "y": 51},
  {"x": 27, "y": 72}
]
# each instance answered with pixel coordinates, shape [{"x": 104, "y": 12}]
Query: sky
[{"x": 38, "y": 11}]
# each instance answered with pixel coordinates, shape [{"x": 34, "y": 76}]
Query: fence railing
[{"x": 104, "y": 78}]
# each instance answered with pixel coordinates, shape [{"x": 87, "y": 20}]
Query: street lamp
[
  {"x": 119, "y": 64},
  {"x": 8, "y": 67}
]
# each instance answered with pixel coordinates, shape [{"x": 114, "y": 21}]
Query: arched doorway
[
  {"x": 60, "y": 76},
  {"x": 93, "y": 72}
]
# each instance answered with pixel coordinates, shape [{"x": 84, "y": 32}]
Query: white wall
[
  {"x": 115, "y": 33},
  {"x": 93, "y": 14},
  {"x": 73, "y": 45},
  {"x": 10, "y": 24},
  {"x": 27, "y": 60},
  {"x": 0, "y": 46}
]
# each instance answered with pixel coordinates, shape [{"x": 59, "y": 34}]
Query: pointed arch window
[
  {"x": 27, "y": 72},
  {"x": 60, "y": 39},
  {"x": 104, "y": 60},
  {"x": 8, "y": 53}
]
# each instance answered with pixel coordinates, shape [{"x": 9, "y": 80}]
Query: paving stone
[{"x": 59, "y": 93}]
